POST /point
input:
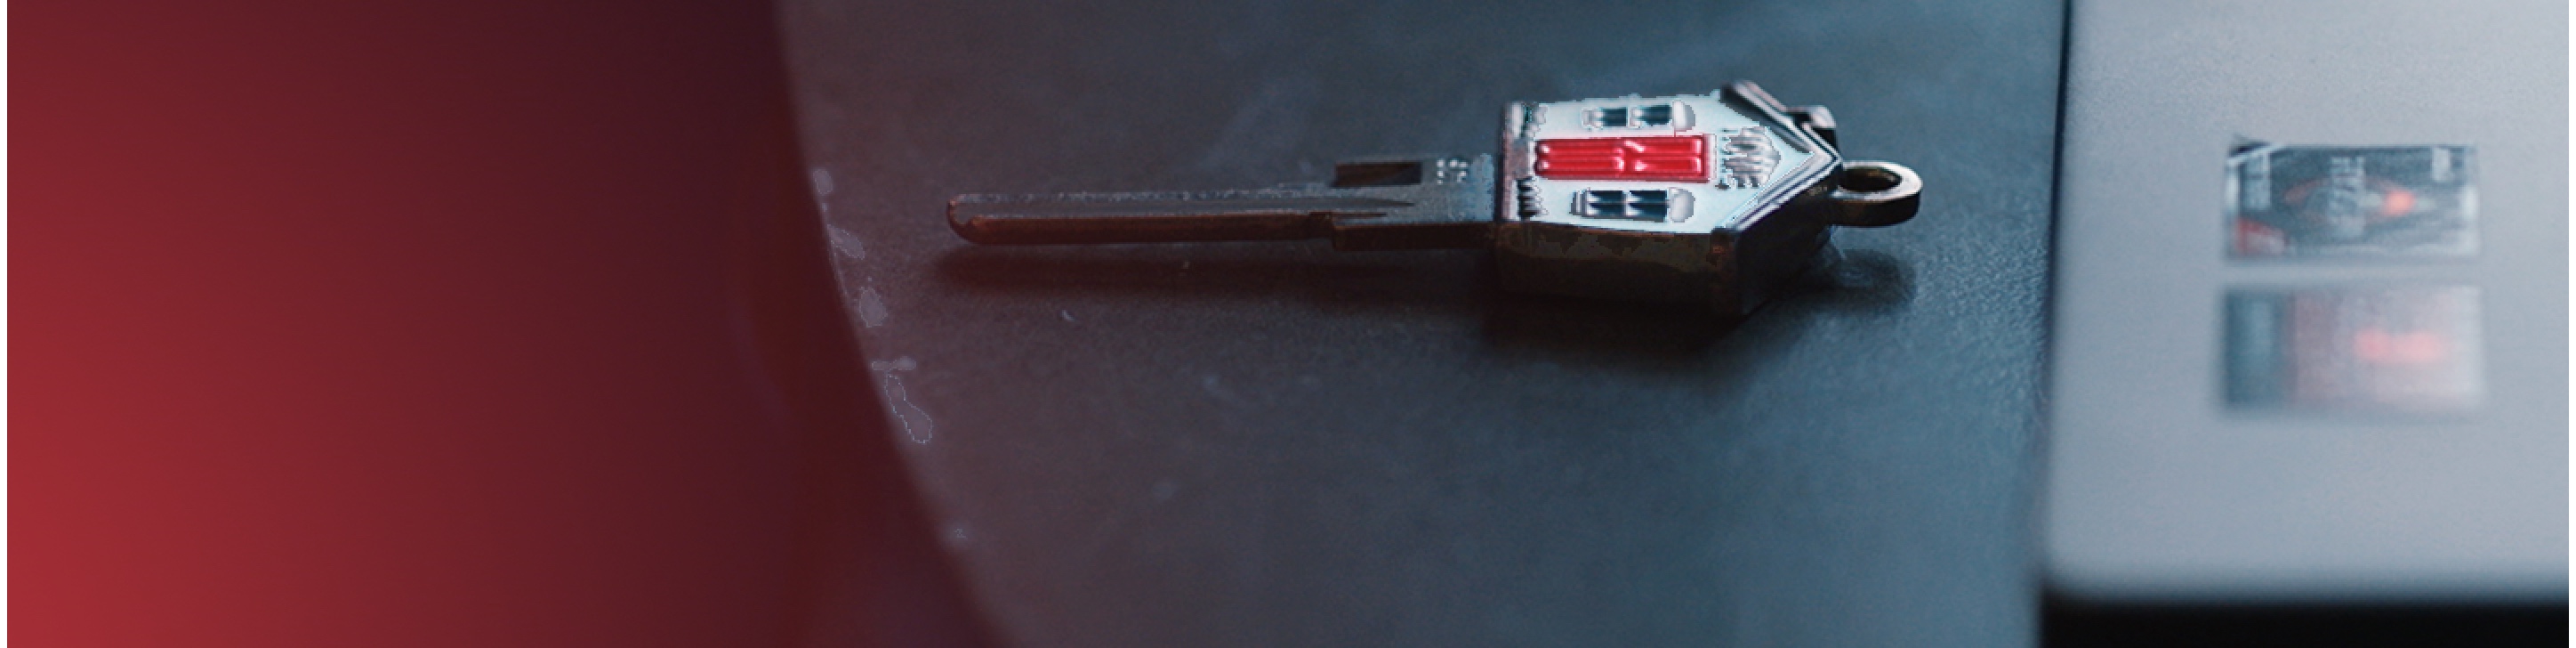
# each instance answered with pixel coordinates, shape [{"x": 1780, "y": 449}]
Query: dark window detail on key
[
  {"x": 1624, "y": 158},
  {"x": 1648, "y": 204},
  {"x": 1632, "y": 116}
]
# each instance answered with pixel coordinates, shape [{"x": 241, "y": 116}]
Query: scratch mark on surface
[
  {"x": 871, "y": 307},
  {"x": 1068, "y": 316},
  {"x": 916, "y": 422}
]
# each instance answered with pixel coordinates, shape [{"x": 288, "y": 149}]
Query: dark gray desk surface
[{"x": 1275, "y": 444}]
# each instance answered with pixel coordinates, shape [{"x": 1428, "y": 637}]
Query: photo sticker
[
  {"x": 2335, "y": 201},
  {"x": 2372, "y": 348}
]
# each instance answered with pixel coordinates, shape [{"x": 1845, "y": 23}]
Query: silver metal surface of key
[{"x": 1716, "y": 198}]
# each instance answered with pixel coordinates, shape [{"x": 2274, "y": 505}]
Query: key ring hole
[
  {"x": 1875, "y": 194},
  {"x": 1869, "y": 179}
]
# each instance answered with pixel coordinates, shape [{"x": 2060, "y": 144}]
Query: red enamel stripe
[{"x": 1624, "y": 158}]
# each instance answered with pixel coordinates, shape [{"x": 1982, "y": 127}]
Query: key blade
[
  {"x": 1373, "y": 204},
  {"x": 1158, "y": 217}
]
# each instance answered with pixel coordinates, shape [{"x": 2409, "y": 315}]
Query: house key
[{"x": 1717, "y": 198}]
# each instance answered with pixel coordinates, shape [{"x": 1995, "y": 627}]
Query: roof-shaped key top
[{"x": 1715, "y": 198}]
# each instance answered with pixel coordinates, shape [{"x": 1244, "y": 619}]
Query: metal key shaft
[{"x": 1384, "y": 204}]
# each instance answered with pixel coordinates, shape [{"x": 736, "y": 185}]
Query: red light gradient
[{"x": 421, "y": 323}]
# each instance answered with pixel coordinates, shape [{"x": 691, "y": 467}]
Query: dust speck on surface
[
  {"x": 1216, "y": 389},
  {"x": 822, "y": 181},
  {"x": 914, "y": 420},
  {"x": 871, "y": 307},
  {"x": 846, "y": 244}
]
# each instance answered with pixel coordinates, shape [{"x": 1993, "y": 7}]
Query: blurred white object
[{"x": 2157, "y": 487}]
